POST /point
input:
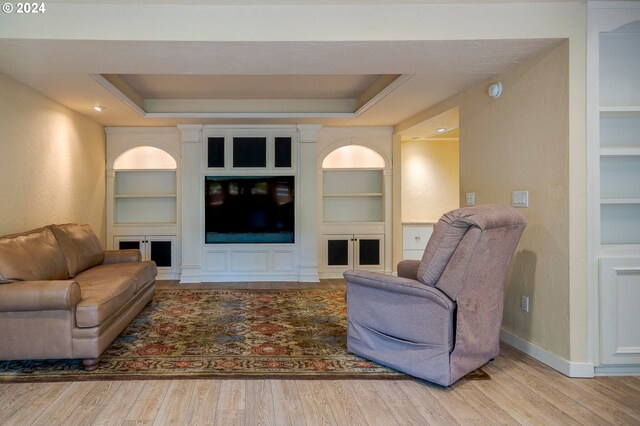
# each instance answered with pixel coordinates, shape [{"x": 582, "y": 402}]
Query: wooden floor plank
[
  {"x": 60, "y": 409},
  {"x": 315, "y": 404},
  {"x": 286, "y": 403},
  {"x": 527, "y": 398},
  {"x": 259, "y": 403},
  {"x": 173, "y": 410},
  {"x": 540, "y": 384},
  {"x": 397, "y": 404},
  {"x": 371, "y": 404},
  {"x": 491, "y": 411},
  {"x": 610, "y": 411},
  {"x": 202, "y": 407},
  {"x": 120, "y": 404},
  {"x": 12, "y": 400},
  {"x": 231, "y": 403},
  {"x": 147, "y": 404},
  {"x": 342, "y": 402},
  {"x": 429, "y": 406},
  {"x": 34, "y": 403}
]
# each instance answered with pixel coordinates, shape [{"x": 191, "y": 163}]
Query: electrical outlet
[{"x": 524, "y": 304}]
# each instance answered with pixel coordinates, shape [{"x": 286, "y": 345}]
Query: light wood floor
[{"x": 521, "y": 391}]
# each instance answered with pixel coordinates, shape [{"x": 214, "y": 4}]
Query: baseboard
[
  {"x": 618, "y": 370},
  {"x": 568, "y": 368}
]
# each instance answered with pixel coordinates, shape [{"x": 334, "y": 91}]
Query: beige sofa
[{"x": 62, "y": 296}]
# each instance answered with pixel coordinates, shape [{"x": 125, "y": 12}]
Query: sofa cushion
[
  {"x": 31, "y": 256},
  {"x": 101, "y": 298},
  {"x": 80, "y": 246},
  {"x": 140, "y": 272}
]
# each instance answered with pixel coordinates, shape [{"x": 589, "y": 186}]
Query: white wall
[{"x": 52, "y": 163}]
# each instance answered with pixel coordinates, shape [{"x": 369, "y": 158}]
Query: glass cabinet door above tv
[{"x": 274, "y": 151}]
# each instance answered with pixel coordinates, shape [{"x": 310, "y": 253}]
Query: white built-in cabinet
[
  {"x": 143, "y": 193},
  {"x": 614, "y": 170},
  {"x": 346, "y": 251},
  {"x": 158, "y": 248},
  {"x": 355, "y": 209},
  {"x": 415, "y": 237}
]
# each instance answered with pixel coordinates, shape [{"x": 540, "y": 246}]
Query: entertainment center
[{"x": 250, "y": 203}]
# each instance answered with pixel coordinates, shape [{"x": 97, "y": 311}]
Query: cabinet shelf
[
  {"x": 144, "y": 170},
  {"x": 620, "y": 111},
  {"x": 620, "y": 201},
  {"x": 356, "y": 194},
  {"x": 145, "y": 195},
  {"x": 622, "y": 151}
]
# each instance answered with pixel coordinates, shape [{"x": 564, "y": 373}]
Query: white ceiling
[{"x": 219, "y": 72}]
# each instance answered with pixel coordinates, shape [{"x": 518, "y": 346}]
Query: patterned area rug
[{"x": 223, "y": 333}]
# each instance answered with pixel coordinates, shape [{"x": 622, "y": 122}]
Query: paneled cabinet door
[
  {"x": 348, "y": 251},
  {"x": 620, "y": 316},
  {"x": 160, "y": 249}
]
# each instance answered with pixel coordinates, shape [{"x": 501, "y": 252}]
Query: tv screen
[{"x": 249, "y": 209}]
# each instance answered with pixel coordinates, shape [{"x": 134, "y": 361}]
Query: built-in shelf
[
  {"x": 356, "y": 194},
  {"x": 614, "y": 87},
  {"x": 620, "y": 110},
  {"x": 620, "y": 201},
  {"x": 145, "y": 195},
  {"x": 353, "y": 195},
  {"x": 620, "y": 151}
]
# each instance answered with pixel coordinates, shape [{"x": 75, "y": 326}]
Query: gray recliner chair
[{"x": 440, "y": 318}]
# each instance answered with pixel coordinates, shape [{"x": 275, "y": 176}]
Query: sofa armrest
[
  {"x": 408, "y": 269},
  {"x": 39, "y": 295},
  {"x": 122, "y": 256},
  {"x": 398, "y": 285}
]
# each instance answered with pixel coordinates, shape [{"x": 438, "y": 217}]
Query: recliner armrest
[
  {"x": 39, "y": 295},
  {"x": 122, "y": 256},
  {"x": 408, "y": 269},
  {"x": 398, "y": 285}
]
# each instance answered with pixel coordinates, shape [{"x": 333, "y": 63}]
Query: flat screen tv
[{"x": 249, "y": 209}]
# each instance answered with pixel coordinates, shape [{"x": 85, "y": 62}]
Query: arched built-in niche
[
  {"x": 353, "y": 185},
  {"x": 353, "y": 157},
  {"x": 144, "y": 158},
  {"x": 143, "y": 194},
  {"x": 355, "y": 189}
]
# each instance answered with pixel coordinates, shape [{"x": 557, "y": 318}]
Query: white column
[
  {"x": 191, "y": 206},
  {"x": 307, "y": 202}
]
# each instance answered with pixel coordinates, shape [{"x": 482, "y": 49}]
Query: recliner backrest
[{"x": 450, "y": 249}]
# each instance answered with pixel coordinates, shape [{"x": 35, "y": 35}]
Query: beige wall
[
  {"x": 52, "y": 163},
  {"x": 430, "y": 179},
  {"x": 521, "y": 142}
]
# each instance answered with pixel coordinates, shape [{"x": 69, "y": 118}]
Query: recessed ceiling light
[
  {"x": 415, "y": 138},
  {"x": 441, "y": 130},
  {"x": 98, "y": 108}
]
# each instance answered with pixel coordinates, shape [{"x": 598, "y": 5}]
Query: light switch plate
[
  {"x": 520, "y": 199},
  {"x": 471, "y": 198}
]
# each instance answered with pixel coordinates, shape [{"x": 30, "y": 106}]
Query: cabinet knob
[{"x": 417, "y": 238}]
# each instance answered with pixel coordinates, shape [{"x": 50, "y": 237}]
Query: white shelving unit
[
  {"x": 619, "y": 62},
  {"x": 353, "y": 195},
  {"x": 143, "y": 195},
  {"x": 614, "y": 94},
  {"x": 354, "y": 208}
]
